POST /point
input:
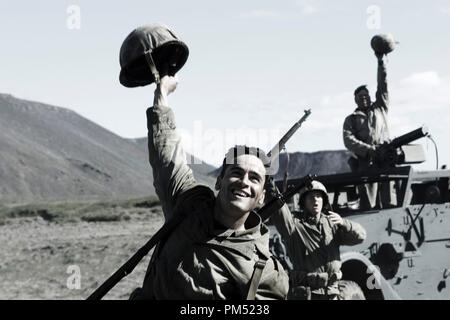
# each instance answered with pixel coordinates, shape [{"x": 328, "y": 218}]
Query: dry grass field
[{"x": 42, "y": 247}]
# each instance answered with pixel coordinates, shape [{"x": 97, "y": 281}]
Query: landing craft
[{"x": 406, "y": 254}]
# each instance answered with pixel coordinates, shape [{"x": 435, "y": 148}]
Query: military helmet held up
[
  {"x": 148, "y": 51},
  {"x": 383, "y": 43}
]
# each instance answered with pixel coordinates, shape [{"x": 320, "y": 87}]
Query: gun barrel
[
  {"x": 280, "y": 145},
  {"x": 409, "y": 137}
]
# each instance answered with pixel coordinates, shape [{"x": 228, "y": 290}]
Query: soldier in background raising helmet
[
  {"x": 313, "y": 237},
  {"x": 366, "y": 129}
]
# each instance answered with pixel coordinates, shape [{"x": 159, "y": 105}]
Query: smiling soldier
[{"x": 220, "y": 250}]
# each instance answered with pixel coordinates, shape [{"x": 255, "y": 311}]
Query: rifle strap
[{"x": 256, "y": 278}]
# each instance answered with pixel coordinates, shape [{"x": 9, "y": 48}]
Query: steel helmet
[
  {"x": 314, "y": 186},
  {"x": 383, "y": 43},
  {"x": 149, "y": 50}
]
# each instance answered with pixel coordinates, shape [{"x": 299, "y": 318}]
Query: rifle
[
  {"x": 280, "y": 145},
  {"x": 129, "y": 266},
  {"x": 286, "y": 173},
  {"x": 279, "y": 199}
]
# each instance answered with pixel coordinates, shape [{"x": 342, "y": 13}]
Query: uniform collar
[
  {"x": 252, "y": 227},
  {"x": 255, "y": 237},
  {"x": 363, "y": 112},
  {"x": 313, "y": 220}
]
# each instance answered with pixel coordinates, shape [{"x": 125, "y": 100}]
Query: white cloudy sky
[{"x": 254, "y": 66}]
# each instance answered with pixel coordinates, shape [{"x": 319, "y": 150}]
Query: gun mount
[{"x": 399, "y": 151}]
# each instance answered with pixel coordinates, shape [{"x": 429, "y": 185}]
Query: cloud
[
  {"x": 428, "y": 79},
  {"x": 422, "y": 91},
  {"x": 445, "y": 10},
  {"x": 209, "y": 144},
  {"x": 307, "y": 6},
  {"x": 326, "y": 101},
  {"x": 260, "y": 14},
  {"x": 421, "y": 98}
]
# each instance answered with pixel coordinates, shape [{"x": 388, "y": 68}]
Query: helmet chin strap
[{"x": 151, "y": 63}]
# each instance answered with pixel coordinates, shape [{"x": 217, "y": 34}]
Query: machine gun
[{"x": 399, "y": 152}]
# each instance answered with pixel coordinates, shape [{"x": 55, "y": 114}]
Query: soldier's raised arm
[
  {"x": 382, "y": 95},
  {"x": 171, "y": 173},
  {"x": 282, "y": 218}
]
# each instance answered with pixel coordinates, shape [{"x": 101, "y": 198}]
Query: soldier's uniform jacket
[
  {"x": 201, "y": 259},
  {"x": 363, "y": 129},
  {"x": 313, "y": 246}
]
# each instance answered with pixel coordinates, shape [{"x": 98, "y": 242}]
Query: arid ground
[{"x": 42, "y": 250}]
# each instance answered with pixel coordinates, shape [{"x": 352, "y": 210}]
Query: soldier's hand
[
  {"x": 372, "y": 151},
  {"x": 317, "y": 279},
  {"x": 381, "y": 153},
  {"x": 335, "y": 218},
  {"x": 269, "y": 184},
  {"x": 376, "y": 152},
  {"x": 168, "y": 84},
  {"x": 271, "y": 189},
  {"x": 379, "y": 56}
]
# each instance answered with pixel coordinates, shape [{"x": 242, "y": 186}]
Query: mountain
[
  {"x": 202, "y": 170},
  {"x": 320, "y": 163},
  {"x": 303, "y": 163},
  {"x": 50, "y": 153}
]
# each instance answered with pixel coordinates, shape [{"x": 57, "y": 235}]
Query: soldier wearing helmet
[
  {"x": 366, "y": 129},
  {"x": 312, "y": 238}
]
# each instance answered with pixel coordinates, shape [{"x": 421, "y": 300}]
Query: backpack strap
[{"x": 256, "y": 278}]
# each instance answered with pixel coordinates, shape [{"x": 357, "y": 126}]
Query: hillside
[
  {"x": 50, "y": 153},
  {"x": 303, "y": 163},
  {"x": 202, "y": 171},
  {"x": 320, "y": 163}
]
